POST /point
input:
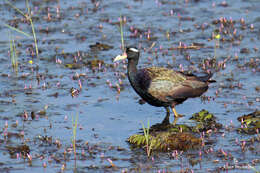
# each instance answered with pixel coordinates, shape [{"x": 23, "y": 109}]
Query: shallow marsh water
[{"x": 65, "y": 31}]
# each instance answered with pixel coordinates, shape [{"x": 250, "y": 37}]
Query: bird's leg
[
  {"x": 176, "y": 116},
  {"x": 166, "y": 119}
]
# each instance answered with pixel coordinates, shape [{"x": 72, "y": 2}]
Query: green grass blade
[
  {"x": 122, "y": 33},
  {"x": 32, "y": 25},
  {"x": 74, "y": 125},
  {"x": 34, "y": 37},
  {"x": 11, "y": 51},
  {"x": 13, "y": 54},
  {"x": 147, "y": 138},
  {"x": 18, "y": 30},
  {"x": 15, "y": 57}
]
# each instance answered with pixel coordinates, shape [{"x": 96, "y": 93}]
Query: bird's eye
[{"x": 134, "y": 49}]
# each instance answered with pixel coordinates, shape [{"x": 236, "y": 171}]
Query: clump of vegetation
[
  {"x": 250, "y": 124},
  {"x": 165, "y": 141},
  {"x": 205, "y": 121},
  {"x": 165, "y": 137}
]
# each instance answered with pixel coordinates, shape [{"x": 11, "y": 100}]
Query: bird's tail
[{"x": 207, "y": 78}]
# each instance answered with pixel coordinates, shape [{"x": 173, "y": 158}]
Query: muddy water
[{"x": 106, "y": 118}]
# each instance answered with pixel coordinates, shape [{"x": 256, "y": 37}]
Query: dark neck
[
  {"x": 132, "y": 65},
  {"x": 132, "y": 70}
]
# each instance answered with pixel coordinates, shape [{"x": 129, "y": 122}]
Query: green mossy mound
[
  {"x": 250, "y": 123},
  {"x": 165, "y": 137},
  {"x": 165, "y": 141},
  {"x": 205, "y": 121}
]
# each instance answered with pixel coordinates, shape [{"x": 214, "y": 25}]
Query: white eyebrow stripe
[{"x": 134, "y": 49}]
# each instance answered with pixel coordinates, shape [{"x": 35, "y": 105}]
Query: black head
[{"x": 132, "y": 53}]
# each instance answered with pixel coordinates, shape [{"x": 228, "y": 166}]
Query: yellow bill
[{"x": 120, "y": 57}]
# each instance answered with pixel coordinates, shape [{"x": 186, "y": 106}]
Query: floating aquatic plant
[{"x": 250, "y": 123}]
